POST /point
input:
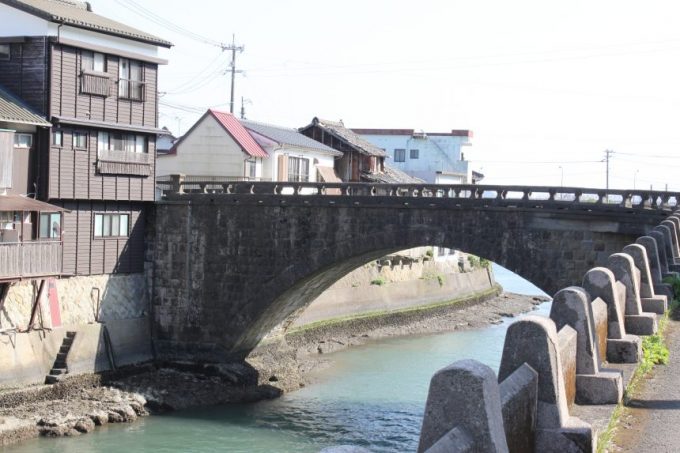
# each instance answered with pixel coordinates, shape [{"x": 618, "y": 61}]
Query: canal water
[{"x": 373, "y": 396}]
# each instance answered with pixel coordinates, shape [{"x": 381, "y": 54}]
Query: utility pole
[
  {"x": 607, "y": 154},
  {"x": 243, "y": 109},
  {"x": 233, "y": 47}
]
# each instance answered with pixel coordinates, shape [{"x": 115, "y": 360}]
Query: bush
[
  {"x": 378, "y": 281},
  {"x": 440, "y": 279}
]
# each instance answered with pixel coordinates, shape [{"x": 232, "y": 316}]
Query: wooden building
[{"x": 95, "y": 81}]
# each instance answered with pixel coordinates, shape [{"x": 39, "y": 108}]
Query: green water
[{"x": 372, "y": 396}]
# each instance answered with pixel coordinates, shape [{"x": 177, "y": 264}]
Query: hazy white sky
[{"x": 543, "y": 84}]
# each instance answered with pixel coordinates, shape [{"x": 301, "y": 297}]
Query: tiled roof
[
  {"x": 338, "y": 129},
  {"x": 79, "y": 14},
  {"x": 14, "y": 110},
  {"x": 287, "y": 136},
  {"x": 390, "y": 176},
  {"x": 239, "y": 133}
]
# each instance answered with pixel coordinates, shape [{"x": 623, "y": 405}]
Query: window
[
  {"x": 298, "y": 169},
  {"x": 130, "y": 82},
  {"x": 413, "y": 154},
  {"x": 114, "y": 141},
  {"x": 400, "y": 155},
  {"x": 5, "y": 51},
  {"x": 93, "y": 61},
  {"x": 57, "y": 138},
  {"x": 111, "y": 225},
  {"x": 251, "y": 169},
  {"x": 23, "y": 140},
  {"x": 50, "y": 225},
  {"x": 80, "y": 140}
]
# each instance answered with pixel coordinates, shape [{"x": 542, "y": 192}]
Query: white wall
[
  {"x": 435, "y": 153},
  {"x": 271, "y": 165},
  {"x": 207, "y": 151}
]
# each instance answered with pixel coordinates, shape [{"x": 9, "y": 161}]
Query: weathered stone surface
[
  {"x": 465, "y": 395},
  {"x": 578, "y": 438},
  {"x": 655, "y": 269},
  {"x": 637, "y": 322},
  {"x": 229, "y": 268},
  {"x": 599, "y": 310},
  {"x": 600, "y": 283},
  {"x": 457, "y": 440},
  {"x": 533, "y": 340},
  {"x": 641, "y": 261},
  {"x": 625, "y": 350},
  {"x": 518, "y": 400},
  {"x": 345, "y": 449},
  {"x": 657, "y": 304},
  {"x": 660, "y": 240},
  {"x": 667, "y": 245},
  {"x": 568, "y": 345},
  {"x": 672, "y": 229}
]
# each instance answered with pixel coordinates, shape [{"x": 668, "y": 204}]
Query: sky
[{"x": 546, "y": 86}]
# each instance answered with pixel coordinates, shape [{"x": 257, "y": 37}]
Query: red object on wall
[{"x": 53, "y": 297}]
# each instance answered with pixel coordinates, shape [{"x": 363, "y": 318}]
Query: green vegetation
[
  {"x": 429, "y": 253},
  {"x": 380, "y": 281},
  {"x": 440, "y": 279},
  {"x": 476, "y": 262}
]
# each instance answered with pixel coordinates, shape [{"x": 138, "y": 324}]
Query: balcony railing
[
  {"x": 131, "y": 89},
  {"x": 30, "y": 259},
  {"x": 96, "y": 83},
  {"x": 204, "y": 184},
  {"x": 124, "y": 163}
]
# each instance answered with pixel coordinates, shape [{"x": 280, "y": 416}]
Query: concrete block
[
  {"x": 578, "y": 438},
  {"x": 599, "y": 311},
  {"x": 623, "y": 268},
  {"x": 657, "y": 304},
  {"x": 624, "y": 350},
  {"x": 663, "y": 239},
  {"x": 465, "y": 395},
  {"x": 651, "y": 248},
  {"x": 347, "y": 449},
  {"x": 605, "y": 387},
  {"x": 457, "y": 440},
  {"x": 533, "y": 340},
  {"x": 599, "y": 283},
  {"x": 518, "y": 401},
  {"x": 660, "y": 240},
  {"x": 641, "y": 261},
  {"x": 643, "y": 324},
  {"x": 567, "y": 339},
  {"x": 672, "y": 229}
]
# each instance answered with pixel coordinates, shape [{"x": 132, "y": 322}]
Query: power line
[{"x": 233, "y": 47}]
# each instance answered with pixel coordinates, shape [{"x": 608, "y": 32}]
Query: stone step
[
  {"x": 51, "y": 379},
  {"x": 70, "y": 335},
  {"x": 62, "y": 356},
  {"x": 58, "y": 371},
  {"x": 59, "y": 364},
  {"x": 65, "y": 349},
  {"x": 67, "y": 341}
]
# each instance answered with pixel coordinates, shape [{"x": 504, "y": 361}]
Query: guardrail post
[{"x": 178, "y": 183}]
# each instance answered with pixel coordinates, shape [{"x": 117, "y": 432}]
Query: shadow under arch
[{"x": 306, "y": 281}]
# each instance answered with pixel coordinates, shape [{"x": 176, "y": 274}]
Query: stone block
[
  {"x": 465, "y": 395},
  {"x": 641, "y": 261},
  {"x": 457, "y": 440},
  {"x": 623, "y": 268},
  {"x": 533, "y": 340},
  {"x": 518, "y": 401},
  {"x": 672, "y": 230},
  {"x": 643, "y": 324},
  {"x": 567, "y": 341},
  {"x": 605, "y": 387},
  {"x": 624, "y": 350},
  {"x": 660, "y": 241},
  {"x": 664, "y": 289},
  {"x": 600, "y": 283},
  {"x": 657, "y": 304},
  {"x": 599, "y": 310},
  {"x": 577, "y": 438},
  {"x": 651, "y": 248}
]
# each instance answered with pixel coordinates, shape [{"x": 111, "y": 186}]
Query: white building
[
  {"x": 222, "y": 147},
  {"x": 434, "y": 157}
]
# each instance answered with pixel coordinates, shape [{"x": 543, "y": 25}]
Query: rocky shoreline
[{"x": 80, "y": 403}]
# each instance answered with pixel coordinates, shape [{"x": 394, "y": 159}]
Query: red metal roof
[{"x": 239, "y": 133}]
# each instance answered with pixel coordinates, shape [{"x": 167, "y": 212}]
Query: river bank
[{"x": 78, "y": 404}]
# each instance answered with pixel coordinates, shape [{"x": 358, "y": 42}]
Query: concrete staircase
[{"x": 59, "y": 369}]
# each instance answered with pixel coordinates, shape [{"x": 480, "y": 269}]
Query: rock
[
  {"x": 84, "y": 425},
  {"x": 99, "y": 417}
]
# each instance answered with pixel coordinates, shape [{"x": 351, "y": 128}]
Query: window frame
[
  {"x": 50, "y": 216},
  {"x": 60, "y": 134},
  {"x": 296, "y": 165},
  {"x": 107, "y": 220},
  {"x": 93, "y": 60},
  {"x": 400, "y": 155},
  {"x": 127, "y": 141},
  {"x": 17, "y": 138},
  {"x": 414, "y": 154},
  {"x": 127, "y": 85},
  {"x": 6, "y": 56},
  {"x": 79, "y": 134}
]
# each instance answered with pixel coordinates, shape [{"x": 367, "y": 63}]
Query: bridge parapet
[{"x": 492, "y": 195}]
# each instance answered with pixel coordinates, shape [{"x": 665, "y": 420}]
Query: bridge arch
[{"x": 230, "y": 268}]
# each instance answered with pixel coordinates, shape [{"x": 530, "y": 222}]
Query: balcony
[
  {"x": 30, "y": 259},
  {"x": 124, "y": 163},
  {"x": 97, "y": 83}
]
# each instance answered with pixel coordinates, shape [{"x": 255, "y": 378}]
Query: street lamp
[
  {"x": 561, "y": 176},
  {"x": 635, "y": 178}
]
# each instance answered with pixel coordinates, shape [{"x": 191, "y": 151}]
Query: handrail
[{"x": 485, "y": 194}]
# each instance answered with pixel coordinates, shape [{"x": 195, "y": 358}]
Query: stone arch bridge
[{"x": 233, "y": 260}]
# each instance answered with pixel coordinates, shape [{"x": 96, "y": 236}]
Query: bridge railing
[{"x": 485, "y": 194}]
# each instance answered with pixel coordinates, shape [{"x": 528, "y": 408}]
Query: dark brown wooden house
[
  {"x": 362, "y": 161},
  {"x": 95, "y": 81}
]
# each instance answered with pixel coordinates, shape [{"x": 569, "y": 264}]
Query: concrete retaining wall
[
  {"x": 119, "y": 302},
  {"x": 428, "y": 283}
]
